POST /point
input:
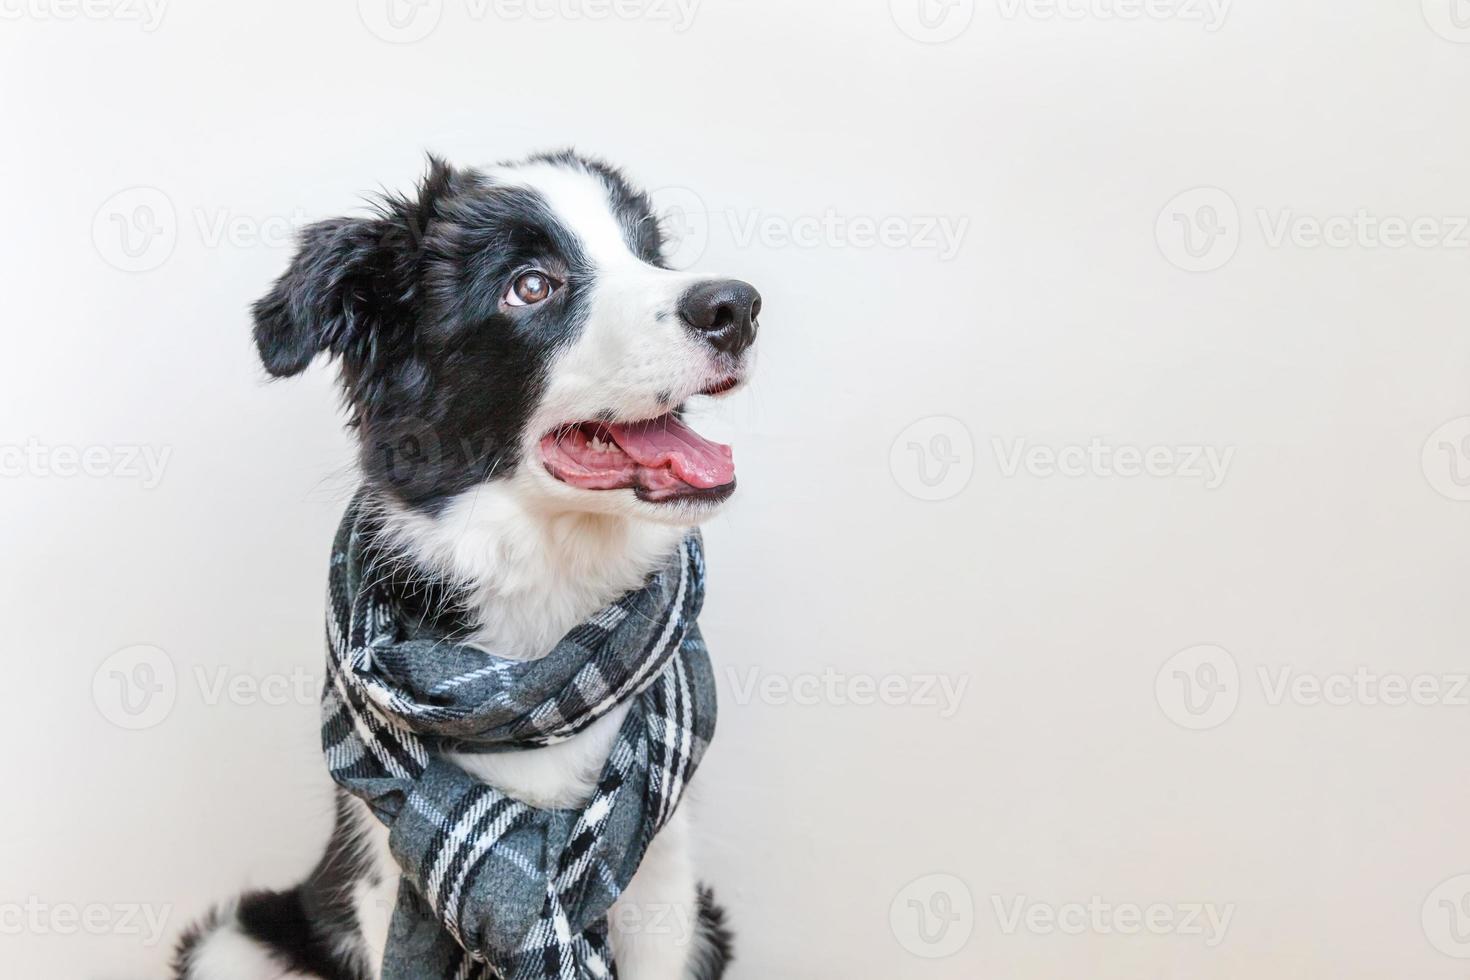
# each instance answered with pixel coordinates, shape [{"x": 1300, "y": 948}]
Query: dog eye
[{"x": 530, "y": 288}]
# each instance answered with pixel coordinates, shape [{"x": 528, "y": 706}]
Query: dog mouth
[{"x": 662, "y": 460}]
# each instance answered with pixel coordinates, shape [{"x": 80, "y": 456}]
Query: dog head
[{"x": 519, "y": 324}]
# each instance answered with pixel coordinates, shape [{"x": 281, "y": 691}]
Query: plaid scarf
[{"x": 492, "y": 887}]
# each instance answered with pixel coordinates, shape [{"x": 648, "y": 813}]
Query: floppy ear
[
  {"x": 350, "y": 277},
  {"x": 325, "y": 298}
]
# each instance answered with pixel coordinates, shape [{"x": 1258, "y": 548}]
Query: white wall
[{"x": 1331, "y": 544}]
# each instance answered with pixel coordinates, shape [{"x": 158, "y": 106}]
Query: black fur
[
  {"x": 280, "y": 922},
  {"x": 306, "y": 928},
  {"x": 188, "y": 943},
  {"x": 439, "y": 377},
  {"x": 719, "y": 942}
]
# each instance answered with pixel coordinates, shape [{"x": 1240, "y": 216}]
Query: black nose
[{"x": 723, "y": 312}]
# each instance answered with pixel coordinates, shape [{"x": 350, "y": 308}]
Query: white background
[{"x": 1073, "y": 770}]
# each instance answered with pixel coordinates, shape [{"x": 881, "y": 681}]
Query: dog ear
[
  {"x": 323, "y": 298},
  {"x": 350, "y": 277}
]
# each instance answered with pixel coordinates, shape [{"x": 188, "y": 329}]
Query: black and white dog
[{"x": 515, "y": 354}]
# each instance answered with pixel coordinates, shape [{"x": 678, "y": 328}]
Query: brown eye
[{"x": 529, "y": 289}]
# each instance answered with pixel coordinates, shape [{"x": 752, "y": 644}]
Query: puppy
[{"x": 514, "y": 354}]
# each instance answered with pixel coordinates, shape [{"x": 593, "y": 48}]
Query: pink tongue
[{"x": 667, "y": 441}]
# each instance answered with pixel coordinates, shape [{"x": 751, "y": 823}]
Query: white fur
[
  {"x": 228, "y": 954},
  {"x": 375, "y": 895},
  {"x": 535, "y": 568}
]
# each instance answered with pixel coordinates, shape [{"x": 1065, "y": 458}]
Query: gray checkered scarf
[{"x": 491, "y": 887}]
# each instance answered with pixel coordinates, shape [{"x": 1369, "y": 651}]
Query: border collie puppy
[{"x": 503, "y": 338}]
